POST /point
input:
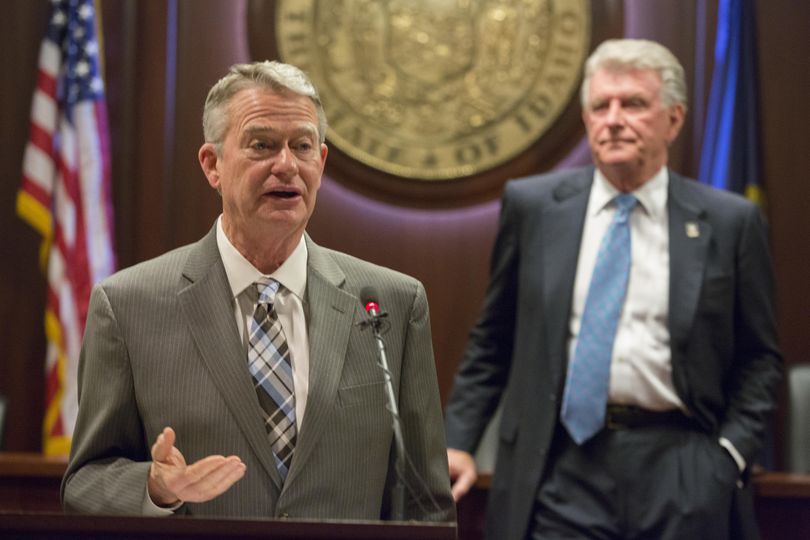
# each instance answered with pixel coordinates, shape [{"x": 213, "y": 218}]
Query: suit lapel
[
  {"x": 330, "y": 320},
  {"x": 689, "y": 238},
  {"x": 562, "y": 228},
  {"x": 208, "y": 308}
]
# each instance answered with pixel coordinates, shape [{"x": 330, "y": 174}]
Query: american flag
[{"x": 65, "y": 195}]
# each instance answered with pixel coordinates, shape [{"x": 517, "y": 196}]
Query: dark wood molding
[
  {"x": 69, "y": 527},
  {"x": 558, "y": 141},
  {"x": 29, "y": 483}
]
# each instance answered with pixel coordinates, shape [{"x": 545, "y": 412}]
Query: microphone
[{"x": 368, "y": 296}]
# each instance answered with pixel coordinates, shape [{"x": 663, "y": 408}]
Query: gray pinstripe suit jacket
[{"x": 162, "y": 348}]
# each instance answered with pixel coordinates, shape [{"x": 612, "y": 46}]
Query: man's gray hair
[
  {"x": 275, "y": 76},
  {"x": 638, "y": 54}
]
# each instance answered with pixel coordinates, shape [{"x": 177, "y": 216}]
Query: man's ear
[
  {"x": 677, "y": 115},
  {"x": 324, "y": 153},
  {"x": 208, "y": 161}
]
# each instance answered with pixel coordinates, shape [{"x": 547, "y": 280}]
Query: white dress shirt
[
  {"x": 641, "y": 366},
  {"x": 288, "y": 303}
]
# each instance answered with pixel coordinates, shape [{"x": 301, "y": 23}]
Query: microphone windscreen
[{"x": 368, "y": 294}]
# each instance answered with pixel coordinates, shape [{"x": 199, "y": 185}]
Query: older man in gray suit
[{"x": 230, "y": 377}]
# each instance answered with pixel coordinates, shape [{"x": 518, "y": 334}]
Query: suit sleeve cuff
[{"x": 150, "y": 509}]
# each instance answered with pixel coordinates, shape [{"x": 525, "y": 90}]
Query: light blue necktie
[
  {"x": 586, "y": 387},
  {"x": 271, "y": 367}
]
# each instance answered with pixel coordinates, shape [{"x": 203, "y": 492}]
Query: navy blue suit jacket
[{"x": 725, "y": 360}]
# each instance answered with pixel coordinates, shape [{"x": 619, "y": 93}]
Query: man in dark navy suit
[{"x": 641, "y": 423}]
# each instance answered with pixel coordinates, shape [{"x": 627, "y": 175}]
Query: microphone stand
[{"x": 398, "y": 492}]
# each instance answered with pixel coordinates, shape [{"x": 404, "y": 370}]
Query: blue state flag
[{"x": 730, "y": 154}]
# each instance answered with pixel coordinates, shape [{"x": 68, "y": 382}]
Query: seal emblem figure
[{"x": 437, "y": 89}]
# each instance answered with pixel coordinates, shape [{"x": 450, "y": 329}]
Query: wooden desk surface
[
  {"x": 766, "y": 484},
  {"x": 30, "y": 483},
  {"x": 30, "y": 465},
  {"x": 26, "y": 464}
]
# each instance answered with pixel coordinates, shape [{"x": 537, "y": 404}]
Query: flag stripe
[
  {"x": 38, "y": 168},
  {"x": 44, "y": 109},
  {"x": 33, "y": 211},
  {"x": 50, "y": 58},
  {"x": 42, "y": 140}
]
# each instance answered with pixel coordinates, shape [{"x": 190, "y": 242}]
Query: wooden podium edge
[{"x": 53, "y": 525}]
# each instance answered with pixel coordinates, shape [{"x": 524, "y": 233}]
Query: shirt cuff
[
  {"x": 738, "y": 459},
  {"x": 150, "y": 509}
]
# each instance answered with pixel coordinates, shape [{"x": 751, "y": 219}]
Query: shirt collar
[
  {"x": 652, "y": 195},
  {"x": 292, "y": 274}
]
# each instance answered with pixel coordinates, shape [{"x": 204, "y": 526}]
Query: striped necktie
[{"x": 270, "y": 365}]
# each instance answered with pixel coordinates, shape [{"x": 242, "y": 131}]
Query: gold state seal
[{"x": 437, "y": 89}]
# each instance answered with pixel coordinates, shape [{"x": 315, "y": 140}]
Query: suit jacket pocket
[
  {"x": 361, "y": 394},
  {"x": 718, "y": 290},
  {"x": 507, "y": 431}
]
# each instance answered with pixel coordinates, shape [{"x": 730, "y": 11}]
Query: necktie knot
[
  {"x": 625, "y": 202},
  {"x": 267, "y": 288}
]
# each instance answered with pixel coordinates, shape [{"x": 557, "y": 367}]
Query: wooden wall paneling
[
  {"x": 22, "y": 284},
  {"x": 670, "y": 22},
  {"x": 784, "y": 47},
  {"x": 152, "y": 150},
  {"x": 784, "y": 84},
  {"x": 211, "y": 36},
  {"x": 138, "y": 43},
  {"x": 705, "y": 33},
  {"x": 443, "y": 236},
  {"x": 119, "y": 20},
  {"x": 448, "y": 251},
  {"x": 162, "y": 199}
]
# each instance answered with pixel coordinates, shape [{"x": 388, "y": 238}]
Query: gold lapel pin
[{"x": 692, "y": 229}]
